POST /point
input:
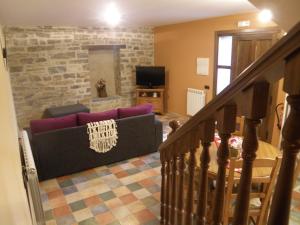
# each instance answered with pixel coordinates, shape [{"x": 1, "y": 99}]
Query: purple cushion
[
  {"x": 43, "y": 125},
  {"x": 135, "y": 111},
  {"x": 84, "y": 118}
]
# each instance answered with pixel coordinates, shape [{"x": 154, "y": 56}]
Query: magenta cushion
[
  {"x": 135, "y": 111},
  {"x": 43, "y": 125},
  {"x": 84, "y": 118}
]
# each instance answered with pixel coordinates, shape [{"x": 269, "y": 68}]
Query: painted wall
[
  {"x": 13, "y": 204},
  {"x": 177, "y": 47}
]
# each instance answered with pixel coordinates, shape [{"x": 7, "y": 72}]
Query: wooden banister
[
  {"x": 226, "y": 125},
  {"x": 207, "y": 133},
  {"x": 269, "y": 67},
  {"x": 246, "y": 96}
]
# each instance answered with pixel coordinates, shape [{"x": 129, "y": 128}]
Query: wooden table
[{"x": 265, "y": 150}]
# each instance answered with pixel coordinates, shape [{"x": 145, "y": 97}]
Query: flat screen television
[{"x": 150, "y": 76}]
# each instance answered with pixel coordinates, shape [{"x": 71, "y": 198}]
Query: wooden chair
[
  {"x": 262, "y": 195},
  {"x": 239, "y": 127},
  {"x": 297, "y": 170}
]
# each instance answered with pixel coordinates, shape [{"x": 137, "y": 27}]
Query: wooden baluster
[
  {"x": 190, "y": 192},
  {"x": 226, "y": 125},
  {"x": 171, "y": 190},
  {"x": 207, "y": 130},
  {"x": 250, "y": 146},
  {"x": 280, "y": 208},
  {"x": 180, "y": 199},
  {"x": 174, "y": 190},
  {"x": 167, "y": 189},
  {"x": 167, "y": 209},
  {"x": 254, "y": 104},
  {"x": 163, "y": 191}
]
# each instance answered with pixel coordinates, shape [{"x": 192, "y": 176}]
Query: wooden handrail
[{"x": 269, "y": 67}]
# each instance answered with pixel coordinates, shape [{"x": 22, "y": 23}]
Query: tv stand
[{"x": 154, "y": 96}]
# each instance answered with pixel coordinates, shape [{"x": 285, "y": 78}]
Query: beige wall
[
  {"x": 13, "y": 205},
  {"x": 177, "y": 47}
]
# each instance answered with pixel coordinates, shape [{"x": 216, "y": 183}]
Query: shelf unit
[{"x": 153, "y": 96}]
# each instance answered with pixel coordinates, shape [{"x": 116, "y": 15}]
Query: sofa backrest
[{"x": 64, "y": 151}]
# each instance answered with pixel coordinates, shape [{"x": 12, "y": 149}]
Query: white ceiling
[{"x": 134, "y": 12}]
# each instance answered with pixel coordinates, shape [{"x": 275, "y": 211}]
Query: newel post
[
  {"x": 226, "y": 119},
  {"x": 207, "y": 131},
  {"x": 253, "y": 105},
  {"x": 280, "y": 209}
]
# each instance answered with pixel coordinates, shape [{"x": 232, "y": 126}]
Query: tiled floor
[{"x": 125, "y": 193}]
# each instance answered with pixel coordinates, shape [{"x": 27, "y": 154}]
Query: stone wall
[{"x": 49, "y": 66}]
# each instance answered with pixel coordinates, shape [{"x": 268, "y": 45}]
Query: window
[{"x": 224, "y": 67}]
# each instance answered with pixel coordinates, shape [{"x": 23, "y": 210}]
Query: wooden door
[{"x": 246, "y": 49}]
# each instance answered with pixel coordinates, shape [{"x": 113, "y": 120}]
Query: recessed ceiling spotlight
[
  {"x": 265, "y": 16},
  {"x": 112, "y": 15}
]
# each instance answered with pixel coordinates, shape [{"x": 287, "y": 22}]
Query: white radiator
[
  {"x": 31, "y": 182},
  {"x": 195, "y": 101}
]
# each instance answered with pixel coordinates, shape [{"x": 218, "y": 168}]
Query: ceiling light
[
  {"x": 265, "y": 15},
  {"x": 112, "y": 15}
]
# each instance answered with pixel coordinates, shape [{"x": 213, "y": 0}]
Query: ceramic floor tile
[
  {"x": 105, "y": 218},
  {"x": 129, "y": 220},
  {"x": 99, "y": 209},
  {"x": 107, "y": 195},
  {"x": 69, "y": 190},
  {"x": 144, "y": 216},
  {"x": 136, "y": 206},
  {"x": 66, "y": 220},
  {"x": 120, "y": 212},
  {"x": 129, "y": 198},
  {"x": 61, "y": 211},
  {"x": 55, "y": 194},
  {"x": 120, "y": 191},
  {"x": 82, "y": 214},
  {"x": 76, "y": 196},
  {"x": 93, "y": 200},
  {"x": 57, "y": 202},
  {"x": 75, "y": 206},
  {"x": 114, "y": 203},
  {"x": 89, "y": 221},
  {"x": 142, "y": 193}
]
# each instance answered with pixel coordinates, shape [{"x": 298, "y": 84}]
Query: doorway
[{"x": 235, "y": 51}]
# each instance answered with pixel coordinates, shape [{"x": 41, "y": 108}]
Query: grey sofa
[{"x": 66, "y": 151}]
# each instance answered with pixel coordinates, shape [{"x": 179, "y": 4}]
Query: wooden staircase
[{"x": 246, "y": 96}]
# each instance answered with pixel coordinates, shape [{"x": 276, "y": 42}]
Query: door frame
[{"x": 259, "y": 31}]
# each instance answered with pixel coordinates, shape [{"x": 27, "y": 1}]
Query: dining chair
[
  {"x": 297, "y": 170},
  {"x": 239, "y": 127},
  {"x": 259, "y": 197}
]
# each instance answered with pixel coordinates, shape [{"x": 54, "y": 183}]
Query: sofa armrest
[{"x": 158, "y": 133}]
